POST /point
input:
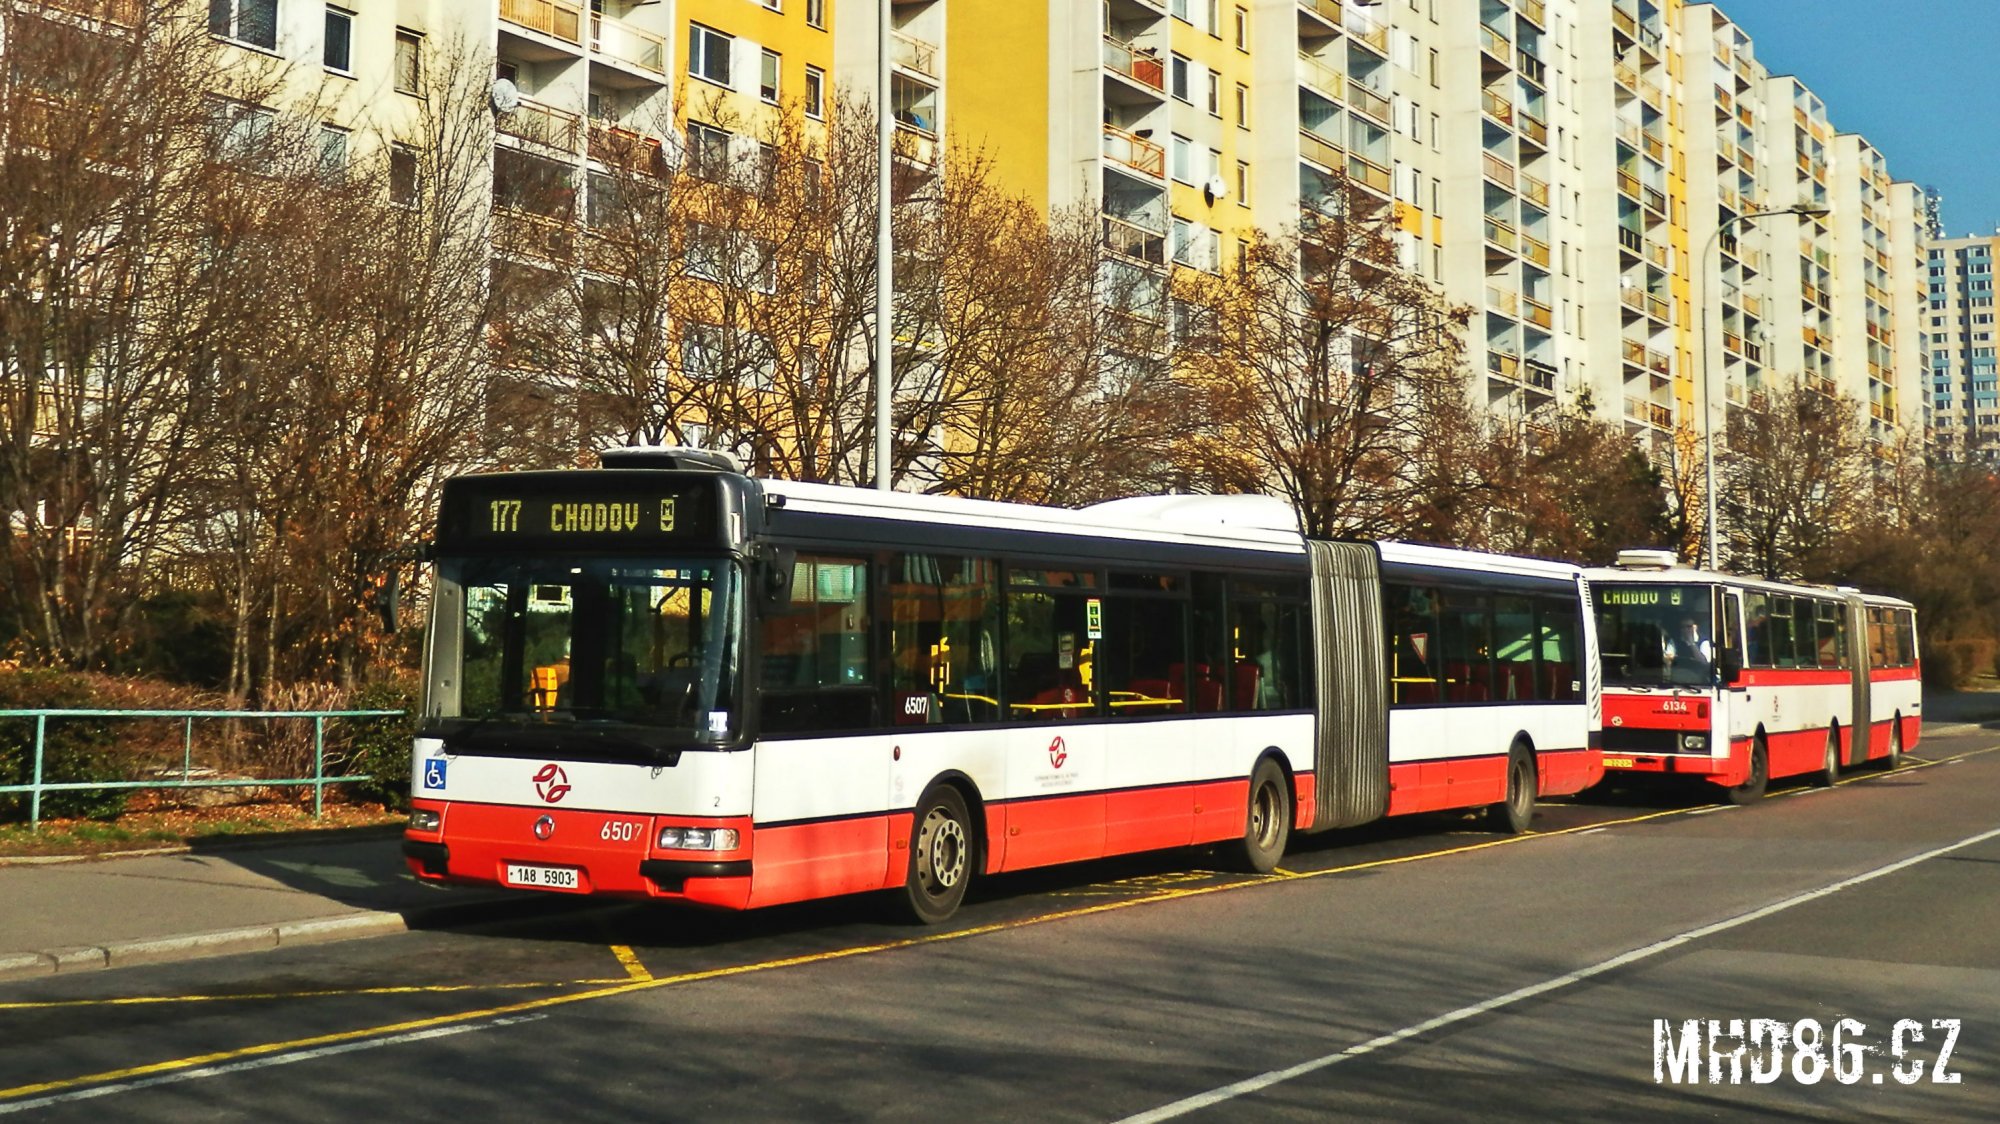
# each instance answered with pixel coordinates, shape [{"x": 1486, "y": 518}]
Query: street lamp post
[
  {"x": 885, "y": 291},
  {"x": 1803, "y": 210}
]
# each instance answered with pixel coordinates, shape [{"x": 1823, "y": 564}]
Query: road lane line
[
  {"x": 617, "y": 989},
  {"x": 1263, "y": 1081},
  {"x": 630, "y": 960},
  {"x": 265, "y": 996},
  {"x": 258, "y": 1063}
]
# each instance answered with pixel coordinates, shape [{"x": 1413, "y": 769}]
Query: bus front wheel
[
  {"x": 1829, "y": 769},
  {"x": 1516, "y": 810},
  {"x": 1752, "y": 788},
  {"x": 941, "y": 855},
  {"x": 1895, "y": 757}
]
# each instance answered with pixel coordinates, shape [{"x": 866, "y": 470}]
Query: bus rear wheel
[
  {"x": 941, "y": 856},
  {"x": 1517, "y": 809},
  {"x": 1269, "y": 826},
  {"x": 1829, "y": 769},
  {"x": 1895, "y": 757},
  {"x": 1752, "y": 788}
]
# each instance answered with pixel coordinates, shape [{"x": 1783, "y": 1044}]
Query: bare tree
[
  {"x": 1793, "y": 482},
  {"x": 1331, "y": 378},
  {"x": 1564, "y": 483}
]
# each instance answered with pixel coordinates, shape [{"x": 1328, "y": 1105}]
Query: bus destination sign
[{"x": 539, "y": 512}]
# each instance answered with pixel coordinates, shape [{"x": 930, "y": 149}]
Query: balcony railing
[
  {"x": 1634, "y": 351},
  {"x": 1656, "y": 200},
  {"x": 1495, "y": 43},
  {"x": 1628, "y": 131},
  {"x": 1320, "y": 78},
  {"x": 1535, "y": 250},
  {"x": 1144, "y": 68},
  {"x": 1534, "y": 10},
  {"x": 1134, "y": 241},
  {"x": 1503, "y": 364},
  {"x": 1368, "y": 102},
  {"x": 1649, "y": 413},
  {"x": 1625, "y": 22},
  {"x": 1328, "y": 10},
  {"x": 1655, "y": 147},
  {"x": 1732, "y": 343},
  {"x": 1531, "y": 68},
  {"x": 624, "y": 148},
  {"x": 913, "y": 54},
  {"x": 1497, "y": 170},
  {"x": 1537, "y": 313},
  {"x": 1367, "y": 172},
  {"x": 1135, "y": 152},
  {"x": 1628, "y": 186},
  {"x": 524, "y": 234},
  {"x": 1539, "y": 375},
  {"x": 540, "y": 124},
  {"x": 1321, "y": 151},
  {"x": 1631, "y": 239},
  {"x": 1497, "y": 107},
  {"x": 1502, "y": 235},
  {"x": 619, "y": 40},
  {"x": 558, "y": 19},
  {"x": 1504, "y": 301},
  {"x": 1364, "y": 29},
  {"x": 1627, "y": 75},
  {"x": 1532, "y": 127}
]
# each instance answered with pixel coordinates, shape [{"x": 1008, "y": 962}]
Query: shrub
[
  {"x": 76, "y": 749},
  {"x": 380, "y": 747},
  {"x": 1949, "y": 665}
]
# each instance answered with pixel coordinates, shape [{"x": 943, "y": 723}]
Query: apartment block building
[
  {"x": 1964, "y": 381},
  {"x": 1585, "y": 175}
]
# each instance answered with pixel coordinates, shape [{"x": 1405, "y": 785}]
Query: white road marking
[
  {"x": 257, "y": 1063},
  {"x": 1592, "y": 831},
  {"x": 1266, "y": 1080}
]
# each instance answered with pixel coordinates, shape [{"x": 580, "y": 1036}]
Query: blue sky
[{"x": 1919, "y": 78}]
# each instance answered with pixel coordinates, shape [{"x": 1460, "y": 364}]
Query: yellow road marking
[
  {"x": 633, "y": 968},
  {"x": 634, "y": 987},
  {"x": 263, "y": 996}
]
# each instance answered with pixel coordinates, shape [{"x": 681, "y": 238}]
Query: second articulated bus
[
  {"x": 1737, "y": 681},
  {"x": 664, "y": 679}
]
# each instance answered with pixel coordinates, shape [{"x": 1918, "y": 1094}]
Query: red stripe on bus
[{"x": 1796, "y": 677}]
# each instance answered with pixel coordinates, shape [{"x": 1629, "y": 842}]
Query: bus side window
[
  {"x": 1558, "y": 629},
  {"x": 1411, "y": 631},
  {"x": 1757, "y": 629},
  {"x": 1145, "y": 638},
  {"x": 1832, "y": 635},
  {"x": 1781, "y": 631},
  {"x": 815, "y": 668},
  {"x": 944, "y": 613},
  {"x": 1906, "y": 637},
  {"x": 1805, "y": 640},
  {"x": 1513, "y": 648}
]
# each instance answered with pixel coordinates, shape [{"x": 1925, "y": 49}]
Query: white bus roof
[{"x": 1688, "y": 575}]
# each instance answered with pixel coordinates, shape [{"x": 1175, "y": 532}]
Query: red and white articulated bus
[
  {"x": 1736, "y": 680},
  {"x": 664, "y": 679}
]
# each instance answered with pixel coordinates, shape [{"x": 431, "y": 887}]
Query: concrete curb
[{"x": 256, "y": 938}]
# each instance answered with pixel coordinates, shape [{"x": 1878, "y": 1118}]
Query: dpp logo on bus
[
  {"x": 551, "y": 783},
  {"x": 1058, "y": 753}
]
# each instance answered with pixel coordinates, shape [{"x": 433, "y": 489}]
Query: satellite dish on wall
[
  {"x": 505, "y": 96},
  {"x": 1215, "y": 188}
]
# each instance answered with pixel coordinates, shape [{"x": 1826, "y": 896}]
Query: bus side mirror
[
  {"x": 392, "y": 601},
  {"x": 779, "y": 563},
  {"x": 1730, "y": 666}
]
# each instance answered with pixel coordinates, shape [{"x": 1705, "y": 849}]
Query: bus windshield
[
  {"x": 596, "y": 657},
  {"x": 1656, "y": 635}
]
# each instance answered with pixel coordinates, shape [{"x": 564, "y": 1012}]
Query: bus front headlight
[
  {"x": 1695, "y": 743},
  {"x": 698, "y": 839}
]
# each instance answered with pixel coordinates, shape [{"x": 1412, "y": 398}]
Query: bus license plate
[
  {"x": 542, "y": 877},
  {"x": 1618, "y": 762}
]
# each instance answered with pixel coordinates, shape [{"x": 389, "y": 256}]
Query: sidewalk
[{"x": 239, "y": 896}]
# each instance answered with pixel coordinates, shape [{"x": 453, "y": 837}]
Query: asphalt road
[{"x": 1421, "y": 970}]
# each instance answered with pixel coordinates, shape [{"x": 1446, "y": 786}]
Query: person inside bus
[{"x": 1689, "y": 650}]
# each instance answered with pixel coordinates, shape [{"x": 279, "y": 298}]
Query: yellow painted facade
[{"x": 997, "y": 62}]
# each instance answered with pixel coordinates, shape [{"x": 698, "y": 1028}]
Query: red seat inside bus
[{"x": 1204, "y": 694}]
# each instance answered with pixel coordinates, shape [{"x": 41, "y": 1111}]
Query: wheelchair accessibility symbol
[{"x": 434, "y": 772}]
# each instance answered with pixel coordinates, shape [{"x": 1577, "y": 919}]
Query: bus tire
[
  {"x": 1752, "y": 788},
  {"x": 1268, "y": 826},
  {"x": 942, "y": 854},
  {"x": 1829, "y": 770},
  {"x": 1516, "y": 810},
  {"x": 1895, "y": 758}
]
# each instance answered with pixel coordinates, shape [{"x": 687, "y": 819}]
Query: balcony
[
  {"x": 625, "y": 148},
  {"x": 915, "y": 55},
  {"x": 120, "y": 13},
  {"x": 1632, "y": 240},
  {"x": 1537, "y": 313},
  {"x": 540, "y": 124},
  {"x": 1503, "y": 364},
  {"x": 1129, "y": 239},
  {"x": 1135, "y": 152},
  {"x": 1535, "y": 191},
  {"x": 1364, "y": 29},
  {"x": 1504, "y": 301},
  {"x": 1368, "y": 103},
  {"x": 1320, "y": 78},
  {"x": 1535, "y": 250},
  {"x": 1495, "y": 44},
  {"x": 622, "y": 43},
  {"x": 1497, "y": 170},
  {"x": 528, "y": 235},
  {"x": 1627, "y": 76},
  {"x": 1539, "y": 375},
  {"x": 1321, "y": 151},
  {"x": 1141, "y": 65},
  {"x": 1656, "y": 200},
  {"x": 1531, "y": 68},
  {"x": 1534, "y": 10},
  {"x": 1655, "y": 147},
  {"x": 1532, "y": 127},
  {"x": 1497, "y": 107},
  {"x": 1733, "y": 344},
  {"x": 1624, "y": 21},
  {"x": 557, "y": 19},
  {"x": 1628, "y": 186},
  {"x": 1368, "y": 173},
  {"x": 1326, "y": 10},
  {"x": 1648, "y": 413},
  {"x": 1500, "y": 234}
]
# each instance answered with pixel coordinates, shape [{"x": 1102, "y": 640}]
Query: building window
[
  {"x": 815, "y": 92},
  {"x": 339, "y": 48},
  {"x": 332, "y": 152},
  {"x": 242, "y": 132},
  {"x": 816, "y": 13},
  {"x": 402, "y": 175},
  {"x": 708, "y": 54},
  {"x": 767, "y": 80},
  {"x": 1178, "y": 77},
  {"x": 1215, "y": 18},
  {"x": 1242, "y": 30},
  {"x": 409, "y": 61},
  {"x": 1177, "y": 151},
  {"x": 708, "y": 151},
  {"x": 1179, "y": 8},
  {"x": 251, "y": 22},
  {"x": 1242, "y": 106},
  {"x": 1242, "y": 184},
  {"x": 1214, "y": 94}
]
